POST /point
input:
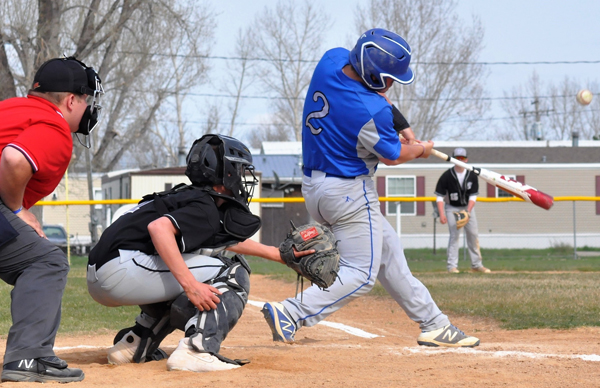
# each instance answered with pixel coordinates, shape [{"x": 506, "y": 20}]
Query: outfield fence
[{"x": 573, "y": 221}]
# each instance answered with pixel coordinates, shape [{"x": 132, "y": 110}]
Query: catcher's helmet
[
  {"x": 381, "y": 54},
  {"x": 222, "y": 160}
]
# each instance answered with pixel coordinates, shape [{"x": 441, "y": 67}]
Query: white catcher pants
[{"x": 370, "y": 249}]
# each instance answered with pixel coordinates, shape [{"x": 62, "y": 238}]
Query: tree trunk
[{"x": 7, "y": 82}]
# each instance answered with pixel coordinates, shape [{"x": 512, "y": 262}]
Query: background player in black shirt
[{"x": 457, "y": 190}]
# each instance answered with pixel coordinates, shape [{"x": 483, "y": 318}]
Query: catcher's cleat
[
  {"x": 449, "y": 336},
  {"x": 41, "y": 370},
  {"x": 185, "y": 357},
  {"x": 126, "y": 344},
  {"x": 481, "y": 269},
  {"x": 453, "y": 270},
  {"x": 280, "y": 322},
  {"x": 122, "y": 352}
]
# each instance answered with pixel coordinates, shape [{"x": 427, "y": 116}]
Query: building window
[
  {"x": 98, "y": 196},
  {"x": 401, "y": 186},
  {"x": 503, "y": 194},
  {"x": 168, "y": 186}
]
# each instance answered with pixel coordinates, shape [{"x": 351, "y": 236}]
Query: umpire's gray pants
[
  {"x": 472, "y": 234},
  {"x": 38, "y": 271},
  {"x": 370, "y": 249}
]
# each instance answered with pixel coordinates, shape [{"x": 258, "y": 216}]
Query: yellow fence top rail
[{"x": 300, "y": 199}]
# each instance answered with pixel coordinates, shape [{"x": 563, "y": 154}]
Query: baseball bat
[{"x": 518, "y": 189}]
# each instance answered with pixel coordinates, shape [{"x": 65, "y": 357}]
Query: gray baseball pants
[
  {"x": 37, "y": 270},
  {"x": 370, "y": 249},
  {"x": 472, "y": 234},
  {"x": 136, "y": 278}
]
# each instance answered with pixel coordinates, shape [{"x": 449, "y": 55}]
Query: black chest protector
[{"x": 238, "y": 222}]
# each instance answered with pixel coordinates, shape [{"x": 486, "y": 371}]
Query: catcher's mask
[{"x": 222, "y": 160}]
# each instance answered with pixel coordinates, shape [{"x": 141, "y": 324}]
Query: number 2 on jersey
[{"x": 317, "y": 114}]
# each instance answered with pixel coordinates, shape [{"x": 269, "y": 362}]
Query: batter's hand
[
  {"x": 30, "y": 219},
  {"x": 428, "y": 147},
  {"x": 203, "y": 296}
]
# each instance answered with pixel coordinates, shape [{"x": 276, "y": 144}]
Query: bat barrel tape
[{"x": 518, "y": 189}]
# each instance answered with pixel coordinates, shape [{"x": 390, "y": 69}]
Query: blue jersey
[{"x": 346, "y": 126}]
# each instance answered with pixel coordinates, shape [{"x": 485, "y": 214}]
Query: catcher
[
  {"x": 456, "y": 192},
  {"x": 166, "y": 255}
]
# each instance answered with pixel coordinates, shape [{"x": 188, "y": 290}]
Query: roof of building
[
  {"x": 282, "y": 161},
  {"x": 520, "y": 155},
  {"x": 287, "y": 167}
]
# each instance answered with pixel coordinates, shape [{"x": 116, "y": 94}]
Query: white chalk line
[
  {"x": 424, "y": 350},
  {"x": 412, "y": 350},
  {"x": 500, "y": 353},
  {"x": 335, "y": 325}
]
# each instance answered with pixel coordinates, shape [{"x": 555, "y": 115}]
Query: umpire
[
  {"x": 36, "y": 144},
  {"x": 457, "y": 190}
]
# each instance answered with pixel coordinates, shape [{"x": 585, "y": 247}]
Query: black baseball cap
[{"x": 63, "y": 75}]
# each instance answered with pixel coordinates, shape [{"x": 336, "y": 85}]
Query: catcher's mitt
[
  {"x": 462, "y": 218},
  {"x": 321, "y": 267}
]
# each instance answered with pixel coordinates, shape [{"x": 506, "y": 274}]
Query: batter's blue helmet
[{"x": 381, "y": 54}]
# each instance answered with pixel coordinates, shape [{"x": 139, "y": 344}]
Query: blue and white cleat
[{"x": 280, "y": 322}]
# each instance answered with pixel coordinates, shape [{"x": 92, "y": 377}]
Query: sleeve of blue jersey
[{"x": 389, "y": 144}]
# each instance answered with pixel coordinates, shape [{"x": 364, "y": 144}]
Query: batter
[{"x": 349, "y": 127}]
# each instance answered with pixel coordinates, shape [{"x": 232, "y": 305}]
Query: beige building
[
  {"x": 74, "y": 218},
  {"x": 556, "y": 168}
]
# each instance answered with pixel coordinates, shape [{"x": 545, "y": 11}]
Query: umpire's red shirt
[{"x": 37, "y": 128}]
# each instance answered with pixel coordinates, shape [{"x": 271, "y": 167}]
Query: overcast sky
[{"x": 515, "y": 31}]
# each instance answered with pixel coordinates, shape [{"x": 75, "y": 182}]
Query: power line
[
  {"x": 263, "y": 59},
  {"x": 213, "y": 95},
  {"x": 505, "y": 98}
]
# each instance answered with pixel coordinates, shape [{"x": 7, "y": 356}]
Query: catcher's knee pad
[{"x": 208, "y": 329}]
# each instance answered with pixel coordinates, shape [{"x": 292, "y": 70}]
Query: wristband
[
  {"x": 18, "y": 210},
  {"x": 422, "y": 153}
]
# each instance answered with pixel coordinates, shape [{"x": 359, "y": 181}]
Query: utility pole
[
  {"x": 536, "y": 132},
  {"x": 93, "y": 218}
]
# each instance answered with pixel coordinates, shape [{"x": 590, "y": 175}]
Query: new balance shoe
[
  {"x": 449, "y": 336},
  {"x": 185, "y": 357},
  {"x": 41, "y": 370},
  {"x": 481, "y": 269},
  {"x": 453, "y": 270},
  {"x": 280, "y": 322}
]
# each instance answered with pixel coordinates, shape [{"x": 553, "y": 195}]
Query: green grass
[
  {"x": 562, "y": 293},
  {"x": 552, "y": 259}
]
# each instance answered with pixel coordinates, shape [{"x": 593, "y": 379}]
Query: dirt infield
[{"x": 328, "y": 357}]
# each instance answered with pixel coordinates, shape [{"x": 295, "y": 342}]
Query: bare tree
[
  {"x": 448, "y": 84},
  {"x": 240, "y": 75},
  {"x": 290, "y": 37},
  {"x": 549, "y": 112},
  {"x": 146, "y": 52},
  {"x": 524, "y": 114}
]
